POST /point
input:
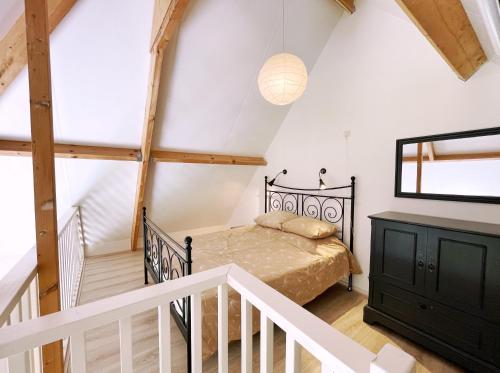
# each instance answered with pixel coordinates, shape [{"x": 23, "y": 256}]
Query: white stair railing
[
  {"x": 19, "y": 288},
  {"x": 71, "y": 246},
  {"x": 19, "y": 303},
  {"x": 335, "y": 351}
]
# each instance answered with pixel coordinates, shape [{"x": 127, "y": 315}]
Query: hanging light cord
[{"x": 283, "y": 11}]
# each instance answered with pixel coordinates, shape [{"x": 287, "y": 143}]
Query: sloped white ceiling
[
  {"x": 210, "y": 100},
  {"x": 100, "y": 62},
  {"x": 10, "y": 10}
]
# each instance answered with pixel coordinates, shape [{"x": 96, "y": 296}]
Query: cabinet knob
[
  {"x": 431, "y": 267},
  {"x": 420, "y": 264}
]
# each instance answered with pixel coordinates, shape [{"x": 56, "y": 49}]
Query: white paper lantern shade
[{"x": 283, "y": 79}]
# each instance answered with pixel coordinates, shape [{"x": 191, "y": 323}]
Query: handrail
[
  {"x": 71, "y": 258},
  {"x": 15, "y": 283},
  {"x": 60, "y": 325},
  {"x": 335, "y": 351},
  {"x": 17, "y": 280},
  {"x": 342, "y": 353}
]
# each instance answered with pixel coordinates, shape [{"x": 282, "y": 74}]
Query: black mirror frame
[{"x": 441, "y": 197}]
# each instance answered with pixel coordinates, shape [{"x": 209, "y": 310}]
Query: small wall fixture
[
  {"x": 271, "y": 183},
  {"x": 322, "y": 184}
]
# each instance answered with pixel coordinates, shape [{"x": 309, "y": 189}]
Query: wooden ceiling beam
[
  {"x": 431, "y": 152},
  {"x": 169, "y": 24},
  {"x": 456, "y": 157},
  {"x": 13, "y": 56},
  {"x": 348, "y": 5},
  {"x": 447, "y": 27},
  {"x": 42, "y": 134},
  {"x": 420, "y": 159},
  {"x": 172, "y": 17},
  {"x": 23, "y": 148},
  {"x": 184, "y": 157}
]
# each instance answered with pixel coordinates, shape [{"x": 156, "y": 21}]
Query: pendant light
[{"x": 283, "y": 78}]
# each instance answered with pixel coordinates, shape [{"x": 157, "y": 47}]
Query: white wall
[{"x": 381, "y": 80}]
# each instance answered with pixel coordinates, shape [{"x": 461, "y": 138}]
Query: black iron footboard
[{"x": 164, "y": 260}]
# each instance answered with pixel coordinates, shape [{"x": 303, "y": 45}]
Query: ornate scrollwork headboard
[{"x": 329, "y": 204}]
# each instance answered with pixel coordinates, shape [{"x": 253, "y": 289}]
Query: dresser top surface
[{"x": 436, "y": 222}]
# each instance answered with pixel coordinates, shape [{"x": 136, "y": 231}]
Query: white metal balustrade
[
  {"x": 71, "y": 246},
  {"x": 19, "y": 288},
  {"x": 335, "y": 351}
]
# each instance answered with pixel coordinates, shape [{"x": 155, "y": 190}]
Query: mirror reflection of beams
[{"x": 450, "y": 165}]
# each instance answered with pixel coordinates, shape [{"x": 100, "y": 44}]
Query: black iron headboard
[{"x": 329, "y": 204}]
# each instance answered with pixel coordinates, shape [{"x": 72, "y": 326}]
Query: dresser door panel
[
  {"x": 400, "y": 254},
  {"x": 459, "y": 271}
]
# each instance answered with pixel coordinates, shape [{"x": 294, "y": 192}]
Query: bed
[{"x": 298, "y": 267}]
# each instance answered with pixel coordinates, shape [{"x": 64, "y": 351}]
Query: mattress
[{"x": 298, "y": 267}]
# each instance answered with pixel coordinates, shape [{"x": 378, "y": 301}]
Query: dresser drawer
[{"x": 458, "y": 329}]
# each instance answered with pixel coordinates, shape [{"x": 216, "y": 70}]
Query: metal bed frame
[{"x": 165, "y": 259}]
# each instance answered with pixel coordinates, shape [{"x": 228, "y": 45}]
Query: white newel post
[{"x": 391, "y": 359}]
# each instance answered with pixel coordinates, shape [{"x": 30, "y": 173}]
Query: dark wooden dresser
[{"x": 437, "y": 281}]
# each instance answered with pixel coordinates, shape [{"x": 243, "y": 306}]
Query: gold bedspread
[{"x": 298, "y": 267}]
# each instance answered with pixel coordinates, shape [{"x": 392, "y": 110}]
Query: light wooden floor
[{"x": 111, "y": 275}]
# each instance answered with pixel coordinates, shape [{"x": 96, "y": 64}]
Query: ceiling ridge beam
[{"x": 13, "y": 54}]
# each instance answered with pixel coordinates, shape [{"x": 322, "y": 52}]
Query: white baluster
[
  {"x": 35, "y": 312},
  {"x": 126, "y": 359},
  {"x": 222, "y": 328},
  {"x": 266, "y": 344},
  {"x": 246, "y": 336},
  {"x": 4, "y": 366},
  {"x": 78, "y": 359},
  {"x": 19, "y": 362},
  {"x": 196, "y": 345},
  {"x": 164, "y": 338},
  {"x": 293, "y": 358}
]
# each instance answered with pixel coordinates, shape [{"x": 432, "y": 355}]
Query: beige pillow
[
  {"x": 309, "y": 227},
  {"x": 275, "y": 219}
]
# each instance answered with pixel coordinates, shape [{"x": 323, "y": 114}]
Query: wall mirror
[{"x": 460, "y": 166}]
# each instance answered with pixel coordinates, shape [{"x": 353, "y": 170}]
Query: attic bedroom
[{"x": 249, "y": 186}]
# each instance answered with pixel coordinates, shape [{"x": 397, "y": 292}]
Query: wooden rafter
[
  {"x": 348, "y": 5},
  {"x": 431, "y": 152},
  {"x": 38, "y": 51},
  {"x": 13, "y": 56},
  {"x": 183, "y": 157},
  {"x": 23, "y": 149},
  {"x": 169, "y": 24},
  {"x": 456, "y": 157},
  {"x": 447, "y": 27},
  {"x": 172, "y": 16},
  {"x": 420, "y": 158}
]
